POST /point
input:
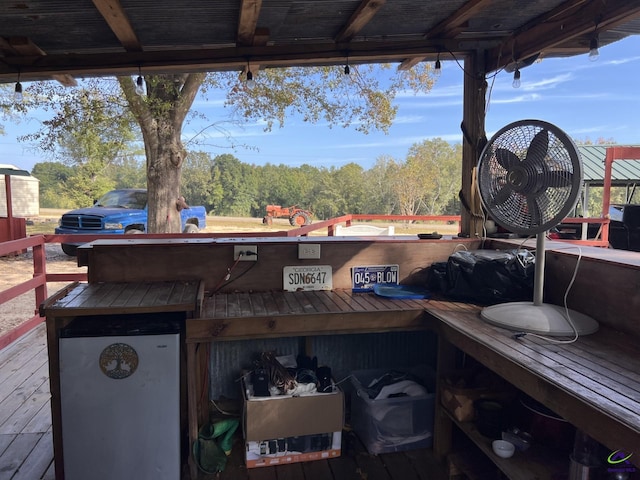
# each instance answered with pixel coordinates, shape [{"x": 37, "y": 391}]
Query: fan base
[{"x": 544, "y": 319}]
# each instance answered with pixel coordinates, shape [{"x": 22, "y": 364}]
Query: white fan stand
[{"x": 538, "y": 317}]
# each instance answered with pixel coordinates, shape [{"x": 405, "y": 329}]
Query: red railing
[{"x": 41, "y": 277}]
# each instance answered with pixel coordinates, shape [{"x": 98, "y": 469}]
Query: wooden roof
[{"x": 61, "y": 38}]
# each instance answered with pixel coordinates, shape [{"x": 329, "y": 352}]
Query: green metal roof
[{"x": 623, "y": 172}]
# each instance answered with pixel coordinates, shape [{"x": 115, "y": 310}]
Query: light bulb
[
  {"x": 593, "y": 49},
  {"x": 17, "y": 93},
  {"x": 139, "y": 86},
  {"x": 251, "y": 83},
  {"x": 437, "y": 70},
  {"x": 347, "y": 70},
  {"x": 516, "y": 79}
]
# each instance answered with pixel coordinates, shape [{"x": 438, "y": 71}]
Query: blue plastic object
[{"x": 401, "y": 291}]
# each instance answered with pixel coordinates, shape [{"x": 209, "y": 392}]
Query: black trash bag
[{"x": 485, "y": 276}]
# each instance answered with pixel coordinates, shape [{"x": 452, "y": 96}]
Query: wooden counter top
[
  {"x": 233, "y": 316},
  {"x": 83, "y": 299},
  {"x": 593, "y": 383}
]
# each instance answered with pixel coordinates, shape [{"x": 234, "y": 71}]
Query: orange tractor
[{"x": 297, "y": 216}]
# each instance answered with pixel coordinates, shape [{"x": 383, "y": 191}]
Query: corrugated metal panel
[
  {"x": 25, "y": 196},
  {"x": 343, "y": 353},
  {"x": 593, "y": 158}
]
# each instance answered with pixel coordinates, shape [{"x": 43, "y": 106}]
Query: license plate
[
  {"x": 308, "y": 277},
  {"x": 364, "y": 278}
]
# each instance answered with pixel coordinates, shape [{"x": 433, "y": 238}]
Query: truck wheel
[
  {"x": 70, "y": 250},
  {"x": 133, "y": 231},
  {"x": 190, "y": 228}
]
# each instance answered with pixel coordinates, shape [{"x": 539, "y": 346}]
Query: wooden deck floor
[{"x": 26, "y": 447}]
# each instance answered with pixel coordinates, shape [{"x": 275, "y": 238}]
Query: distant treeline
[{"x": 426, "y": 182}]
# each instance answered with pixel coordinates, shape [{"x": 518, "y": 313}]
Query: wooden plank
[
  {"x": 41, "y": 421},
  {"x": 289, "y": 472},
  {"x": 16, "y": 453},
  {"x": 23, "y": 384},
  {"x": 344, "y": 468},
  {"x": 399, "y": 467},
  {"x": 5, "y": 441},
  {"x": 202, "y": 330},
  {"x": 38, "y": 461},
  {"x": 605, "y": 421},
  {"x": 316, "y": 470}
]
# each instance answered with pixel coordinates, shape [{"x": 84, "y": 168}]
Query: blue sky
[{"x": 588, "y": 100}]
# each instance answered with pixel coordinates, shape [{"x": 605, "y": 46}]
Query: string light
[
  {"x": 516, "y": 78},
  {"x": 250, "y": 82},
  {"x": 17, "y": 93},
  {"x": 593, "y": 49},
  {"x": 140, "y": 83},
  {"x": 437, "y": 70}
]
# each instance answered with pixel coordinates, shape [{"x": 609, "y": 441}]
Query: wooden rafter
[
  {"x": 24, "y": 47},
  {"x": 570, "y": 20},
  {"x": 118, "y": 21},
  {"x": 363, "y": 15},
  {"x": 452, "y": 25},
  {"x": 248, "y": 21},
  {"x": 449, "y": 27}
]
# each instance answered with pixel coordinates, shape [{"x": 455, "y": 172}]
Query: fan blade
[
  {"x": 501, "y": 196},
  {"x": 557, "y": 178},
  {"x": 506, "y": 158},
  {"x": 534, "y": 210},
  {"x": 538, "y": 148}
]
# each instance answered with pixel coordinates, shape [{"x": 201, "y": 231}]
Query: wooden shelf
[{"x": 536, "y": 463}]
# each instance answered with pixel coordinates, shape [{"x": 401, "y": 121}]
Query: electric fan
[{"x": 529, "y": 178}]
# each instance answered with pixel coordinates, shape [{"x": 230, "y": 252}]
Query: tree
[
  {"x": 315, "y": 93},
  {"x": 90, "y": 131},
  {"x": 437, "y": 165},
  {"x": 52, "y": 177}
]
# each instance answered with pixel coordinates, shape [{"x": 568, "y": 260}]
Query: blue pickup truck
[{"x": 121, "y": 211}]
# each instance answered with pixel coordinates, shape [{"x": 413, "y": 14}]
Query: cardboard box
[
  {"x": 293, "y": 449},
  {"x": 285, "y": 429}
]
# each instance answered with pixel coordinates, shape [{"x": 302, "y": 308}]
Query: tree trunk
[{"x": 161, "y": 116}]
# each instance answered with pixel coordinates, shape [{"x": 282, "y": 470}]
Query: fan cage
[{"x": 528, "y": 196}]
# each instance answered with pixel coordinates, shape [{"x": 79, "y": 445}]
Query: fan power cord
[{"x": 519, "y": 335}]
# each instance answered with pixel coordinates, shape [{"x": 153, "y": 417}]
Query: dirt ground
[{"x": 19, "y": 268}]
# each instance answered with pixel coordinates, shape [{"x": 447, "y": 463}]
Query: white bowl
[{"x": 503, "y": 449}]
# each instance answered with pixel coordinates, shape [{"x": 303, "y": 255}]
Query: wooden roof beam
[
  {"x": 118, "y": 21},
  {"x": 363, "y": 15},
  {"x": 248, "y": 21},
  {"x": 23, "y": 46},
  {"x": 451, "y": 26},
  {"x": 570, "y": 20}
]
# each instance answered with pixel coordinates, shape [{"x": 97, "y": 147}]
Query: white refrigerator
[{"x": 120, "y": 400}]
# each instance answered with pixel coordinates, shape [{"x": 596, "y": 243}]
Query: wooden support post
[
  {"x": 474, "y": 140},
  {"x": 443, "y": 425}
]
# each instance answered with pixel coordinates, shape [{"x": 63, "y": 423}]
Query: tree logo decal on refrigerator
[{"x": 118, "y": 361}]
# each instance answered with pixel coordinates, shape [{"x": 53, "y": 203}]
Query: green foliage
[{"x": 93, "y": 130}]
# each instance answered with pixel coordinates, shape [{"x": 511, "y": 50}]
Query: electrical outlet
[
  {"x": 308, "y": 250},
  {"x": 246, "y": 253}
]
